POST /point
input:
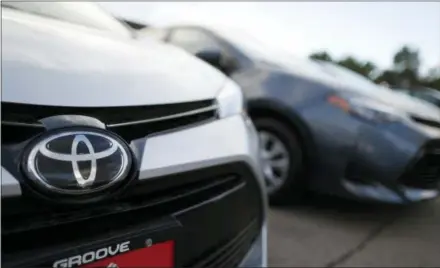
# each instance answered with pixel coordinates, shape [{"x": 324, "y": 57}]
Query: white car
[{"x": 117, "y": 153}]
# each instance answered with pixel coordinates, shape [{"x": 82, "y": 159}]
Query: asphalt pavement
[{"x": 330, "y": 232}]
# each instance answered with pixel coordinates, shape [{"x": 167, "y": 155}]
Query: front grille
[
  {"x": 231, "y": 252},
  {"x": 200, "y": 200},
  {"x": 20, "y": 121},
  {"x": 38, "y": 225},
  {"x": 425, "y": 172},
  {"x": 426, "y": 122},
  {"x": 16, "y": 132}
]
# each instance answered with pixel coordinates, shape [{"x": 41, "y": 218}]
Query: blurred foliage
[
  {"x": 432, "y": 79},
  {"x": 364, "y": 68},
  {"x": 406, "y": 59},
  {"x": 324, "y": 56},
  {"x": 403, "y": 74}
]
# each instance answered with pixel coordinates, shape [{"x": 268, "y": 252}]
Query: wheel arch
[{"x": 289, "y": 117}]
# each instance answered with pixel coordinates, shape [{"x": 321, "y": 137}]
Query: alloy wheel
[{"x": 275, "y": 160}]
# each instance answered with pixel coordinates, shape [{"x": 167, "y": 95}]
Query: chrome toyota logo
[{"x": 78, "y": 161}]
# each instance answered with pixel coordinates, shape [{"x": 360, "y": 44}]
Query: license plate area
[
  {"x": 150, "y": 245},
  {"x": 154, "y": 255}
]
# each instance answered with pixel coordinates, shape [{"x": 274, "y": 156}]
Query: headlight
[
  {"x": 230, "y": 100},
  {"x": 367, "y": 109}
]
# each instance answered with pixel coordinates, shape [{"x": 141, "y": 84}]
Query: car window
[
  {"x": 192, "y": 40},
  {"x": 153, "y": 33},
  {"x": 427, "y": 97},
  {"x": 83, "y": 13},
  {"x": 250, "y": 45}
]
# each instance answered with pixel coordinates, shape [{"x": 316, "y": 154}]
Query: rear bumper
[{"x": 190, "y": 183}]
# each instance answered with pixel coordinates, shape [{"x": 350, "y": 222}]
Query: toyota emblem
[{"x": 77, "y": 161}]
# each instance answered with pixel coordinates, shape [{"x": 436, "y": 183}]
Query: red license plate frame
[
  {"x": 159, "y": 255},
  {"x": 152, "y": 245}
]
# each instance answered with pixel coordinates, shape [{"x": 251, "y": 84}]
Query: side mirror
[{"x": 216, "y": 59}]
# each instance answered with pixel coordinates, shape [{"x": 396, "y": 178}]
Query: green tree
[
  {"x": 432, "y": 79},
  {"x": 406, "y": 59},
  {"x": 388, "y": 76},
  {"x": 404, "y": 74},
  {"x": 406, "y": 65},
  {"x": 366, "y": 69},
  {"x": 324, "y": 56}
]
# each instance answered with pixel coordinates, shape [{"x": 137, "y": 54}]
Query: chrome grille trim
[{"x": 168, "y": 117}]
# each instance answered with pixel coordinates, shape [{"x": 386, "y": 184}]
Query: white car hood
[{"x": 49, "y": 62}]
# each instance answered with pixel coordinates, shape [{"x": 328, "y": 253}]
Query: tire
[{"x": 292, "y": 186}]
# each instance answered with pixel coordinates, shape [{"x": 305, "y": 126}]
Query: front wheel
[{"x": 281, "y": 159}]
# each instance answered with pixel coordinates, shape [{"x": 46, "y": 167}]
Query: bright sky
[{"x": 368, "y": 30}]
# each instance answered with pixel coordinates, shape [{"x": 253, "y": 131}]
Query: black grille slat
[
  {"x": 20, "y": 121},
  {"x": 36, "y": 228},
  {"x": 198, "y": 200},
  {"x": 425, "y": 172},
  {"x": 140, "y": 130},
  {"x": 27, "y": 113},
  {"x": 230, "y": 253},
  {"x": 234, "y": 254},
  {"x": 38, "y": 218},
  {"x": 15, "y": 133}
]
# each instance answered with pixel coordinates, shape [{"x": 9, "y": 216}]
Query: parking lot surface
[{"x": 331, "y": 232}]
